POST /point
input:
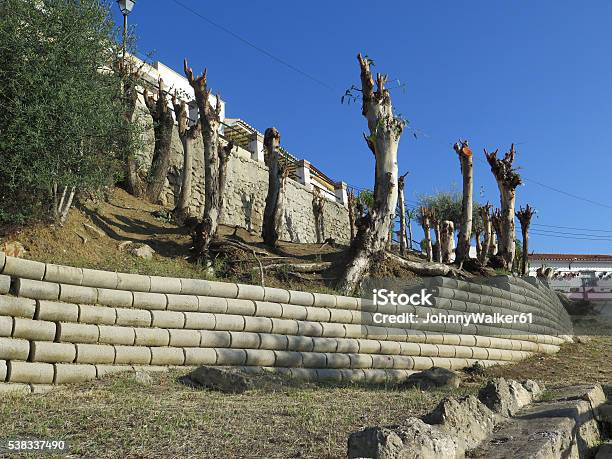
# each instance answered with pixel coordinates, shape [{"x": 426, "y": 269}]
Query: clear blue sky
[{"x": 535, "y": 73}]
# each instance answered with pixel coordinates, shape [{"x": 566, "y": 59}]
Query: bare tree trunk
[
  {"x": 524, "y": 216},
  {"x": 409, "y": 226},
  {"x": 465, "y": 231},
  {"x": 437, "y": 255},
  {"x": 62, "y": 206},
  {"x": 317, "y": 210},
  {"x": 402, "y": 215},
  {"x": 496, "y": 222},
  {"x": 163, "y": 124},
  {"x": 493, "y": 247},
  {"x": 485, "y": 215},
  {"x": 215, "y": 162},
  {"x": 275, "y": 199},
  {"x": 187, "y": 135},
  {"x": 447, "y": 241},
  {"x": 351, "y": 212},
  {"x": 425, "y": 222},
  {"x": 385, "y": 132},
  {"x": 478, "y": 238},
  {"x": 507, "y": 180},
  {"x": 135, "y": 185}
]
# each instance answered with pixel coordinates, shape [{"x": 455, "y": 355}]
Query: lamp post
[{"x": 126, "y": 7}]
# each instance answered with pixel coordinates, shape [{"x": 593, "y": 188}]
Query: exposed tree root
[{"x": 427, "y": 269}]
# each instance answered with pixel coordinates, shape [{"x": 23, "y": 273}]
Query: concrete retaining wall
[{"x": 64, "y": 325}]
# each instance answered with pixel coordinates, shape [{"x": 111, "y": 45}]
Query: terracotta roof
[{"x": 569, "y": 257}]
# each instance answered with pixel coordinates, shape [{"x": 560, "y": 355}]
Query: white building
[{"x": 572, "y": 265}]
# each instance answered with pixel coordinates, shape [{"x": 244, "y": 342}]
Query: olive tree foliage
[{"x": 62, "y": 123}]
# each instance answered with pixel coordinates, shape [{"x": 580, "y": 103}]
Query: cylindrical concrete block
[
  {"x": 183, "y": 303},
  {"x": 168, "y": 319},
  {"x": 185, "y": 338},
  {"x": 3, "y": 370},
  {"x": 156, "y": 301},
  {"x": 70, "y": 374},
  {"x": 151, "y": 337},
  {"x": 43, "y": 351},
  {"x": 402, "y": 362},
  {"x": 241, "y": 307},
  {"x": 63, "y": 274},
  {"x": 167, "y": 356},
  {"x": 354, "y": 331},
  {"x": 6, "y": 326},
  {"x": 360, "y": 360},
  {"x": 95, "y": 353},
  {"x": 134, "y": 317},
  {"x": 165, "y": 284},
  {"x": 332, "y": 330},
  {"x": 5, "y": 284},
  {"x": 243, "y": 340},
  {"x": 288, "y": 358},
  {"x": 36, "y": 290},
  {"x": 15, "y": 388},
  {"x": 346, "y": 302},
  {"x": 273, "y": 342},
  {"x": 293, "y": 311},
  {"x": 77, "y": 333},
  {"x": 301, "y": 298},
  {"x": 251, "y": 292},
  {"x": 324, "y": 300},
  {"x": 347, "y": 346},
  {"x": 195, "y": 287},
  {"x": 306, "y": 328},
  {"x": 341, "y": 316},
  {"x": 285, "y": 327},
  {"x": 132, "y": 355},
  {"x": 133, "y": 282},
  {"x": 369, "y": 346},
  {"x": 14, "y": 349},
  {"x": 324, "y": 344},
  {"x": 329, "y": 375},
  {"x": 78, "y": 294},
  {"x": 304, "y": 374},
  {"x": 39, "y": 330},
  {"x": 335, "y": 360},
  {"x": 115, "y": 298},
  {"x": 2, "y": 261},
  {"x": 422, "y": 363},
  {"x": 229, "y": 357},
  {"x": 57, "y": 312},
  {"x": 352, "y": 376},
  {"x": 204, "y": 320},
  {"x": 314, "y": 360},
  {"x": 105, "y": 370},
  {"x": 463, "y": 352},
  {"x": 276, "y": 295},
  {"x": 30, "y": 372},
  {"x": 260, "y": 357},
  {"x": 97, "y": 315},
  {"x": 390, "y": 348},
  {"x": 300, "y": 343},
  {"x": 228, "y": 322},
  {"x": 215, "y": 338},
  {"x": 258, "y": 324},
  {"x": 223, "y": 289},
  {"x": 116, "y": 335},
  {"x": 382, "y": 361},
  {"x": 267, "y": 309},
  {"x": 200, "y": 356},
  {"x": 100, "y": 279},
  {"x": 411, "y": 349},
  {"x": 429, "y": 350},
  {"x": 445, "y": 351},
  {"x": 212, "y": 304},
  {"x": 26, "y": 269},
  {"x": 316, "y": 314}
]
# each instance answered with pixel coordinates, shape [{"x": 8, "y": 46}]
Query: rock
[
  {"x": 143, "y": 378},
  {"x": 433, "y": 378},
  {"x": 507, "y": 397},
  {"x": 13, "y": 249},
  {"x": 466, "y": 419},
  {"x": 582, "y": 339},
  {"x": 224, "y": 380},
  {"x": 123, "y": 245},
  {"x": 143, "y": 251}
]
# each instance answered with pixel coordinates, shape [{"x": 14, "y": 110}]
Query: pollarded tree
[
  {"x": 485, "y": 216},
  {"x": 385, "y": 132},
  {"x": 275, "y": 199},
  {"x": 187, "y": 134},
  {"x": 465, "y": 229},
  {"x": 524, "y": 216},
  {"x": 163, "y": 125},
  {"x": 447, "y": 241},
  {"x": 507, "y": 180},
  {"x": 216, "y": 157},
  {"x": 425, "y": 219}
]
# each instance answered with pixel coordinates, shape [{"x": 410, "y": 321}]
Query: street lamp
[{"x": 126, "y": 7}]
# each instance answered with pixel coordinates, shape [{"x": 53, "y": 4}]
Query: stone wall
[{"x": 247, "y": 185}]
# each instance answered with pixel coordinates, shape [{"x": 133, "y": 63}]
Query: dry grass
[{"x": 120, "y": 418}]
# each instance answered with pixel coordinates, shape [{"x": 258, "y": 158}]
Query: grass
[{"x": 119, "y": 418}]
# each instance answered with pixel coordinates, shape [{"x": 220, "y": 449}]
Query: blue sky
[{"x": 535, "y": 73}]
